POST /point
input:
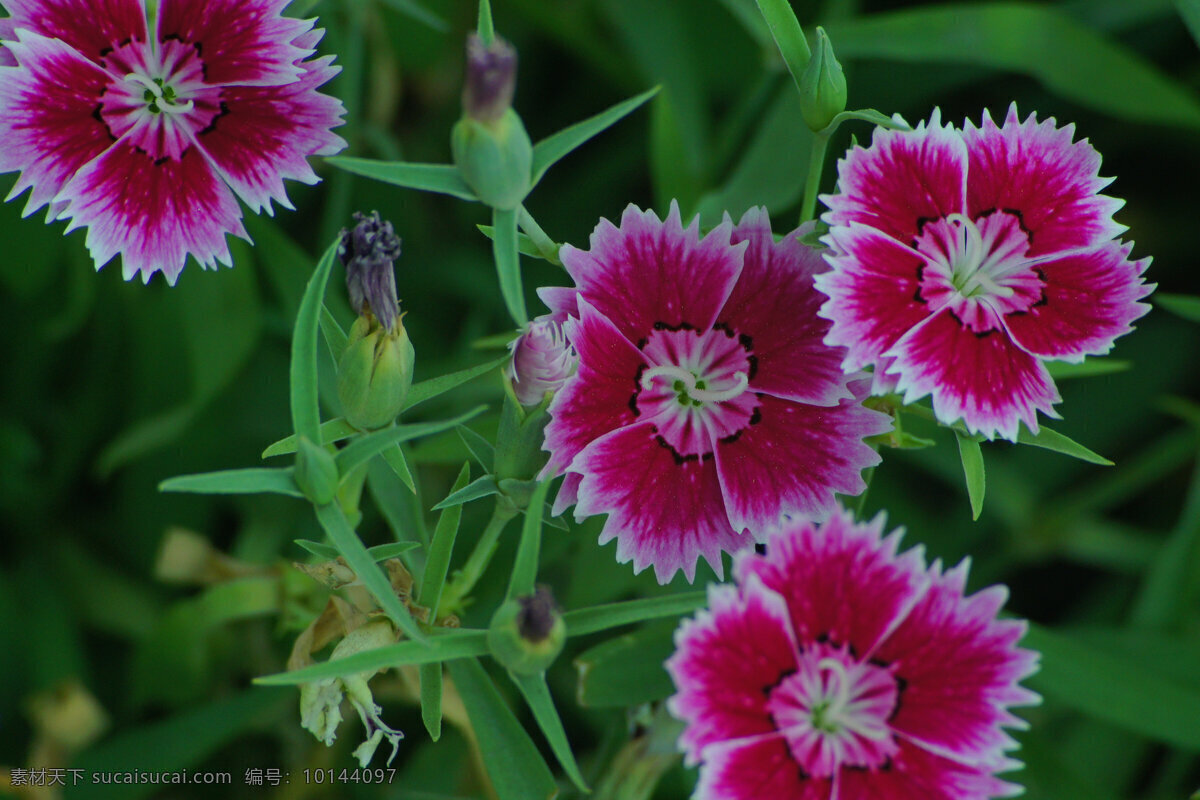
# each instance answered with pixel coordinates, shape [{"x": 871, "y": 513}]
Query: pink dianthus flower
[
  {"x": 705, "y": 405},
  {"x": 963, "y": 258},
  {"x": 144, "y": 134},
  {"x": 841, "y": 669}
]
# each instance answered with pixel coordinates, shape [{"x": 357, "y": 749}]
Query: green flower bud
[
  {"x": 823, "y": 86},
  {"x": 374, "y": 373},
  {"x": 489, "y": 144},
  {"x": 315, "y": 473},
  {"x": 527, "y": 634}
]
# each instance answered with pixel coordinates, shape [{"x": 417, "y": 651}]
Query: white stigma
[
  {"x": 160, "y": 100},
  {"x": 969, "y": 273},
  {"x": 689, "y": 384},
  {"x": 840, "y": 711}
]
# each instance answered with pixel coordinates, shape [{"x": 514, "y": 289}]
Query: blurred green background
[{"x": 110, "y": 387}]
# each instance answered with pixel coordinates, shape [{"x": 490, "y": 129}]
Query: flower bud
[
  {"x": 491, "y": 79},
  {"x": 368, "y": 251},
  {"x": 374, "y": 374},
  {"x": 489, "y": 144},
  {"x": 823, "y": 85},
  {"x": 315, "y": 473},
  {"x": 542, "y": 360},
  {"x": 527, "y": 633}
]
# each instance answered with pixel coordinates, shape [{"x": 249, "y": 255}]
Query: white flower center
[
  {"x": 160, "y": 97},
  {"x": 693, "y": 389}
]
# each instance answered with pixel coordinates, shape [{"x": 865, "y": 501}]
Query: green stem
[
  {"x": 477, "y": 563},
  {"x": 816, "y": 164},
  {"x": 545, "y": 245}
]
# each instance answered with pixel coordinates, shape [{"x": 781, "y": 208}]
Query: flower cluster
[
  {"x": 839, "y": 667},
  {"x": 706, "y": 405},
  {"x": 147, "y": 133},
  {"x": 962, "y": 258}
]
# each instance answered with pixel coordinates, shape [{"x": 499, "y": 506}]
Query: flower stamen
[
  {"x": 160, "y": 97},
  {"x": 688, "y": 385}
]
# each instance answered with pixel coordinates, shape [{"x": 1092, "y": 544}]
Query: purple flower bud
[
  {"x": 542, "y": 360},
  {"x": 491, "y": 78},
  {"x": 367, "y": 251}
]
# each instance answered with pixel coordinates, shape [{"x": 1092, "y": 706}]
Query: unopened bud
[
  {"x": 374, "y": 374},
  {"x": 526, "y": 634},
  {"x": 542, "y": 360},
  {"x": 491, "y": 78},
  {"x": 489, "y": 144},
  {"x": 823, "y": 85},
  {"x": 368, "y": 251},
  {"x": 315, "y": 473}
]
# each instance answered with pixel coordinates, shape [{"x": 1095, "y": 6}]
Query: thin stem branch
[
  {"x": 545, "y": 245},
  {"x": 477, "y": 563},
  {"x": 816, "y": 165}
]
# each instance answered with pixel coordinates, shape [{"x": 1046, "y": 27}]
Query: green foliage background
[{"x": 111, "y": 387}]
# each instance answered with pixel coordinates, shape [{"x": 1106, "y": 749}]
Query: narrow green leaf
[
  {"x": 1060, "y": 370},
  {"x": 1183, "y": 305},
  {"x": 394, "y": 458},
  {"x": 442, "y": 646},
  {"x": 256, "y": 480},
  {"x": 517, "y": 770},
  {"x": 318, "y": 549},
  {"x": 1189, "y": 11},
  {"x": 480, "y": 487},
  {"x": 431, "y": 388},
  {"x": 335, "y": 430},
  {"x": 525, "y": 567},
  {"x": 972, "y": 462},
  {"x": 1114, "y": 688},
  {"x": 419, "y": 13},
  {"x": 306, "y": 416},
  {"x": 370, "y": 445},
  {"x": 485, "y": 27},
  {"x": 626, "y": 670},
  {"x": 1168, "y": 590},
  {"x": 1052, "y": 440},
  {"x": 351, "y": 548},
  {"x": 382, "y": 552},
  {"x": 1036, "y": 40},
  {"x": 496, "y": 341},
  {"x": 440, "y": 178},
  {"x": 480, "y": 448},
  {"x": 788, "y": 35},
  {"x": 598, "y": 618},
  {"x": 335, "y": 337},
  {"x": 525, "y": 245},
  {"x": 440, "y": 550},
  {"x": 537, "y": 696},
  {"x": 551, "y": 149},
  {"x": 431, "y": 699},
  {"x": 508, "y": 264}
]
